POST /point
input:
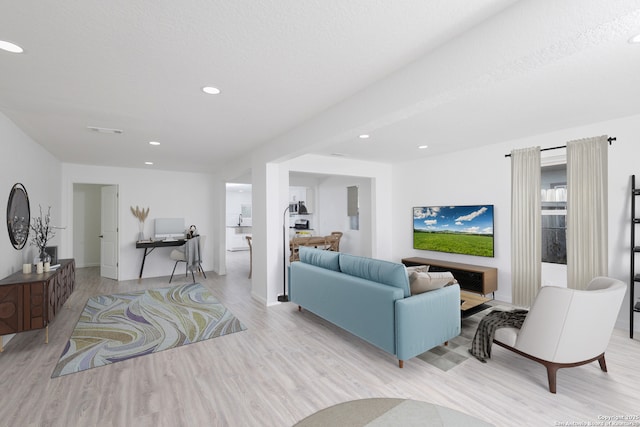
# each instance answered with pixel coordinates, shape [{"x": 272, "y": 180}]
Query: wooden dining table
[{"x": 319, "y": 242}]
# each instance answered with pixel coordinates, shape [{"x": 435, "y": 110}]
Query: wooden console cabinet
[
  {"x": 472, "y": 278},
  {"x": 31, "y": 301}
]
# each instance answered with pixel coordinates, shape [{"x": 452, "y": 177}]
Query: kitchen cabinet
[{"x": 237, "y": 238}]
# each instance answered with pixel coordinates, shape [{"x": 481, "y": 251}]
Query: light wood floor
[{"x": 284, "y": 367}]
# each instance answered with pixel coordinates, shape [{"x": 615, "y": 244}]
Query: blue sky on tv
[{"x": 477, "y": 219}]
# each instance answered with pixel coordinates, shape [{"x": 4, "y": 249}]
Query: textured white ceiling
[{"x": 447, "y": 73}]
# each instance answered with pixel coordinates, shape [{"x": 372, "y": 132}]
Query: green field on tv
[{"x": 459, "y": 243}]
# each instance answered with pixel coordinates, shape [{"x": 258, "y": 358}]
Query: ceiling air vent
[{"x": 104, "y": 130}]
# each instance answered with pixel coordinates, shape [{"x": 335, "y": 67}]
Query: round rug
[{"x": 390, "y": 412}]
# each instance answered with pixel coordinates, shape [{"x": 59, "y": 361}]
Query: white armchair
[{"x": 567, "y": 327}]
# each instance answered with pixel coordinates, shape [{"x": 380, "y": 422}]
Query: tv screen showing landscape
[{"x": 455, "y": 229}]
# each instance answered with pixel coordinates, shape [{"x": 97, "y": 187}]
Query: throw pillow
[
  {"x": 420, "y": 282},
  {"x": 417, "y": 268}
]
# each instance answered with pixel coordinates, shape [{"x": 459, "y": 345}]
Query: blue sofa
[{"x": 371, "y": 299}]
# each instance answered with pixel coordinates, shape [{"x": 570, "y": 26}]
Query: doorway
[{"x": 95, "y": 227}]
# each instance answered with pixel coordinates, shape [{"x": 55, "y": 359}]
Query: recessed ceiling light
[
  {"x": 211, "y": 90},
  {"x": 10, "y": 47},
  {"x": 364, "y": 136},
  {"x": 148, "y": 163},
  {"x": 635, "y": 39},
  {"x": 422, "y": 147},
  {"x": 154, "y": 143}
]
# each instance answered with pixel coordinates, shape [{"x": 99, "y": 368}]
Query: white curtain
[
  {"x": 587, "y": 203},
  {"x": 526, "y": 232}
]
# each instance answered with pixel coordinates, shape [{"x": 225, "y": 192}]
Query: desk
[{"x": 150, "y": 245}]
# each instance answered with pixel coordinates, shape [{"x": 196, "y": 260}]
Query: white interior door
[{"x": 109, "y": 232}]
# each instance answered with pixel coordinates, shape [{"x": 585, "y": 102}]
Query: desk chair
[{"x": 191, "y": 254}]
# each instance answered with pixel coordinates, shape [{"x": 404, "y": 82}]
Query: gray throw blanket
[
  {"x": 192, "y": 253},
  {"x": 481, "y": 344}
]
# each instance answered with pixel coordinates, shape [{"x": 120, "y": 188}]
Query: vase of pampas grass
[{"x": 141, "y": 214}]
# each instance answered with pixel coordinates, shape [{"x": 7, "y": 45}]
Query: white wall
[
  {"x": 167, "y": 194},
  {"x": 332, "y": 210},
  {"x": 25, "y": 161},
  {"x": 482, "y": 176},
  {"x": 235, "y": 200},
  {"x": 271, "y": 196},
  {"x": 235, "y": 237},
  {"x": 86, "y": 224},
  {"x": 375, "y": 182}
]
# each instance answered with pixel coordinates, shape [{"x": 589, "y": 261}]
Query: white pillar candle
[
  {"x": 47, "y": 266},
  {"x": 26, "y": 268},
  {"x": 39, "y": 267}
]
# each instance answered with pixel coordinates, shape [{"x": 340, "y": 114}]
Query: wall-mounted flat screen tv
[{"x": 455, "y": 229}]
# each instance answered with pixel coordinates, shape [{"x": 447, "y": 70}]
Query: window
[{"x": 554, "y": 212}]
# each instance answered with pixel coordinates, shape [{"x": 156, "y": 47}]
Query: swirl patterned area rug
[{"x": 117, "y": 327}]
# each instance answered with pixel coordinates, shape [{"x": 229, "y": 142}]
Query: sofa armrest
[{"x": 426, "y": 320}]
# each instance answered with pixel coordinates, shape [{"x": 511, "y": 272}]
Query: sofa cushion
[
  {"x": 320, "y": 258},
  {"x": 385, "y": 272},
  {"x": 420, "y": 282}
]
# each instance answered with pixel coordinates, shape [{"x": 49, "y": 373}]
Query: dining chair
[
  {"x": 250, "y": 255},
  {"x": 332, "y": 241}
]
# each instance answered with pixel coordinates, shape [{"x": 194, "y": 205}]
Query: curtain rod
[{"x": 610, "y": 139}]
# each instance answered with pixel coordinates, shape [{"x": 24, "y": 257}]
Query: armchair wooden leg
[
  {"x": 401, "y": 363},
  {"x": 603, "y": 364},
  {"x": 552, "y": 370}
]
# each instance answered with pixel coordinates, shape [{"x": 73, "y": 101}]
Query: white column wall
[
  {"x": 270, "y": 192},
  {"x": 218, "y": 212}
]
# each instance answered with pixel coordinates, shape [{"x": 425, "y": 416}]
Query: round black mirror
[{"x": 18, "y": 216}]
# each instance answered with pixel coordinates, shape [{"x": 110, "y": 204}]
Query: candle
[
  {"x": 47, "y": 266},
  {"x": 26, "y": 268},
  {"x": 39, "y": 267}
]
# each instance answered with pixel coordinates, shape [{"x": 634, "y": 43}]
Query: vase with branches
[
  {"x": 142, "y": 215},
  {"x": 42, "y": 233}
]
